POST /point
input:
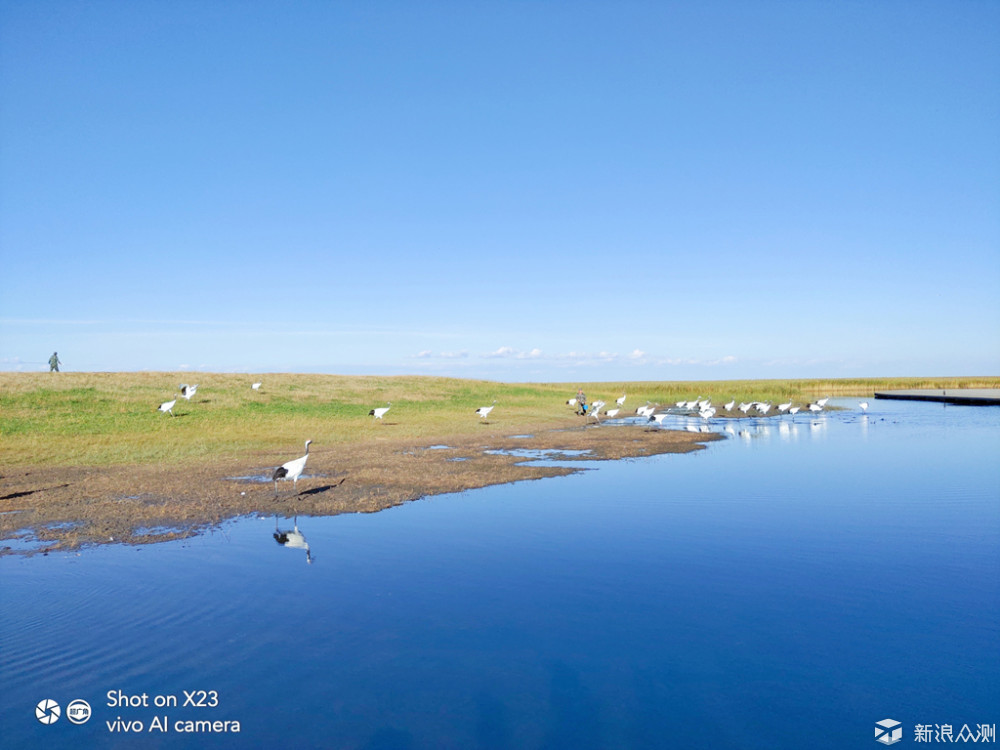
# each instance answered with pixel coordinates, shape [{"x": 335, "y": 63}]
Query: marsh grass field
[
  {"x": 87, "y": 457},
  {"x": 104, "y": 419}
]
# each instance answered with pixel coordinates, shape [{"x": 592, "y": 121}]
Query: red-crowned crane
[
  {"x": 291, "y": 470},
  {"x": 380, "y": 412}
]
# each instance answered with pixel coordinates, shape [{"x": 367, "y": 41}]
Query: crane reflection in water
[{"x": 294, "y": 539}]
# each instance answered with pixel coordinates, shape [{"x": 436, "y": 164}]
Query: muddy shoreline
[{"x": 60, "y": 508}]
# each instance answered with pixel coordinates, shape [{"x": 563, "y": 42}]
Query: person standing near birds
[
  {"x": 54, "y": 362},
  {"x": 581, "y": 401}
]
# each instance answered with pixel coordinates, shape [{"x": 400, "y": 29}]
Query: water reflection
[
  {"x": 294, "y": 538},
  {"x": 739, "y": 589},
  {"x": 787, "y": 427}
]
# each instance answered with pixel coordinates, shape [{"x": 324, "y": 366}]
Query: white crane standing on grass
[
  {"x": 484, "y": 411},
  {"x": 380, "y": 412},
  {"x": 167, "y": 406},
  {"x": 291, "y": 470}
]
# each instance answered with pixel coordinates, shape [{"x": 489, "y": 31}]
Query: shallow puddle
[{"x": 536, "y": 453}]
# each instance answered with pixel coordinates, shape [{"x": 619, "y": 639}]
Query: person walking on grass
[{"x": 54, "y": 362}]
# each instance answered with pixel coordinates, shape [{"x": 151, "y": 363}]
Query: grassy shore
[
  {"x": 103, "y": 419},
  {"x": 88, "y": 459}
]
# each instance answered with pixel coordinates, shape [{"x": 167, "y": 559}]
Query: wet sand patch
[{"x": 72, "y": 507}]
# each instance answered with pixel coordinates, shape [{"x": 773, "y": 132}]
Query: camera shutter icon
[
  {"x": 888, "y": 731},
  {"x": 47, "y": 711}
]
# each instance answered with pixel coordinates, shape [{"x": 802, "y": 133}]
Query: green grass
[{"x": 98, "y": 419}]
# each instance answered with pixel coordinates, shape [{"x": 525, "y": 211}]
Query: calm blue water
[{"x": 785, "y": 588}]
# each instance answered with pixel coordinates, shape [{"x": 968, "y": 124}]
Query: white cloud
[
  {"x": 503, "y": 351},
  {"x": 634, "y": 358},
  {"x": 428, "y": 354}
]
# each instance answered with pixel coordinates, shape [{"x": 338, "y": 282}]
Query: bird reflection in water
[{"x": 294, "y": 538}]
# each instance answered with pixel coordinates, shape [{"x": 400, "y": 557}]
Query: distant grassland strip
[{"x": 102, "y": 419}]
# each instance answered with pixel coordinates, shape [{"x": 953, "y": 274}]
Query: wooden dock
[{"x": 967, "y": 396}]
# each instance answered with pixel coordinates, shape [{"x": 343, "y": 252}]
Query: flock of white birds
[
  {"x": 186, "y": 392},
  {"x": 292, "y": 470},
  {"x": 700, "y": 406},
  {"x": 704, "y": 408}
]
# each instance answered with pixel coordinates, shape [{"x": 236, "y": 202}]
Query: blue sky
[{"x": 510, "y": 190}]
